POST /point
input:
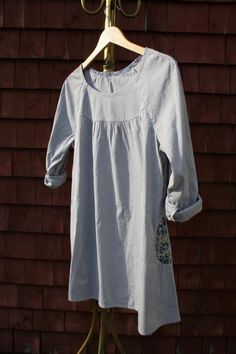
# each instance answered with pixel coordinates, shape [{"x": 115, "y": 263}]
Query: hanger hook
[
  {"x": 105, "y": 12},
  {"x": 118, "y": 8}
]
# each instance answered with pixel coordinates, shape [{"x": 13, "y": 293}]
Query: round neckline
[{"x": 134, "y": 64}]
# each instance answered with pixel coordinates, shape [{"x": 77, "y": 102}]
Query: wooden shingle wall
[{"x": 41, "y": 42}]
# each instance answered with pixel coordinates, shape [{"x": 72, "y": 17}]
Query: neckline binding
[{"x": 135, "y": 64}]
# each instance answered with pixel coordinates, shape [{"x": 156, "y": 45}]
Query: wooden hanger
[{"x": 114, "y": 35}]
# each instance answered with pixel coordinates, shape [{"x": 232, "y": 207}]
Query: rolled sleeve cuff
[
  {"x": 174, "y": 214},
  {"x": 55, "y": 181}
]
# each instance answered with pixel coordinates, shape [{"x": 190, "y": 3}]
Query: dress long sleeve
[
  {"x": 61, "y": 138},
  {"x": 172, "y": 129}
]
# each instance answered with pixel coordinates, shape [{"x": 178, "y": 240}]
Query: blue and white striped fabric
[{"x": 133, "y": 168}]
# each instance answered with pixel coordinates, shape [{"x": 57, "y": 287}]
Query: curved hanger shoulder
[{"x": 114, "y": 35}]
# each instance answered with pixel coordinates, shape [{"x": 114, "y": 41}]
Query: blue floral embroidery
[{"x": 162, "y": 244}]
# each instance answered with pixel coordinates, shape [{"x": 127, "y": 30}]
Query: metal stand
[
  {"x": 103, "y": 330},
  {"x": 110, "y": 13}
]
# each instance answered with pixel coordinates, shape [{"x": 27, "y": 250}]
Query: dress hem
[
  {"x": 102, "y": 305},
  {"x": 169, "y": 320},
  {"x": 160, "y": 324}
]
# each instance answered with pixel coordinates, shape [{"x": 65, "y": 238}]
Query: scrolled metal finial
[
  {"x": 125, "y": 13},
  {"x": 90, "y": 11}
]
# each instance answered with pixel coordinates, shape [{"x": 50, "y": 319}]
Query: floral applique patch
[{"x": 162, "y": 243}]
